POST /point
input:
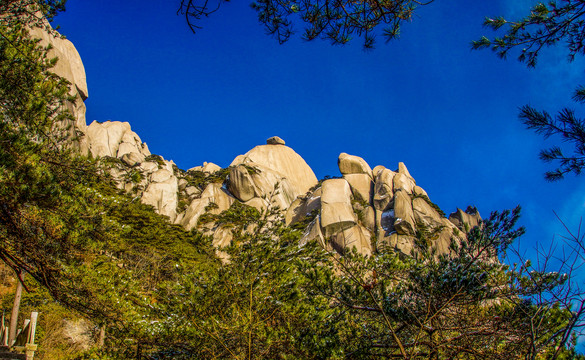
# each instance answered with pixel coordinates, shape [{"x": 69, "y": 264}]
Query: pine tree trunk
[{"x": 15, "y": 309}]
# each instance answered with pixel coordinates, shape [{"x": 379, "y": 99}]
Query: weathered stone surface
[
  {"x": 404, "y": 222},
  {"x": 313, "y": 232},
  {"x": 356, "y": 237},
  {"x": 465, "y": 220},
  {"x": 69, "y": 65},
  {"x": 403, "y": 170},
  {"x": 160, "y": 176},
  {"x": 192, "y": 191},
  {"x": 443, "y": 240},
  {"x": 395, "y": 242},
  {"x": 213, "y": 193},
  {"x": 350, "y": 164},
  {"x": 404, "y": 243},
  {"x": 377, "y": 169},
  {"x": 258, "y": 203},
  {"x": 425, "y": 214},
  {"x": 275, "y": 140},
  {"x": 105, "y": 139},
  {"x": 222, "y": 237},
  {"x": 284, "y": 161},
  {"x": 182, "y": 184},
  {"x": 383, "y": 189},
  {"x": 369, "y": 218},
  {"x": 127, "y": 148},
  {"x": 385, "y": 222},
  {"x": 302, "y": 207},
  {"x": 132, "y": 159},
  {"x": 241, "y": 184},
  {"x": 210, "y": 168},
  {"x": 417, "y": 190},
  {"x": 162, "y": 194},
  {"x": 361, "y": 186},
  {"x": 403, "y": 182},
  {"x": 148, "y": 166},
  {"x": 336, "y": 210}
]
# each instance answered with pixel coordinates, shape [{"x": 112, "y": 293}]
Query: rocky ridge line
[{"x": 366, "y": 209}]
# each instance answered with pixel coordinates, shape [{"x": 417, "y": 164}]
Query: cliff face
[{"x": 366, "y": 209}]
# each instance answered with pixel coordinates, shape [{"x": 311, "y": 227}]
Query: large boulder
[
  {"x": 247, "y": 182},
  {"x": 283, "y": 161},
  {"x": 303, "y": 207},
  {"x": 361, "y": 186},
  {"x": 115, "y": 139},
  {"x": 69, "y": 66},
  {"x": 383, "y": 189},
  {"x": 356, "y": 237},
  {"x": 161, "y": 193},
  {"x": 213, "y": 193},
  {"x": 425, "y": 214},
  {"x": 336, "y": 210},
  {"x": 350, "y": 164},
  {"x": 241, "y": 184},
  {"x": 404, "y": 223},
  {"x": 275, "y": 140},
  {"x": 403, "y": 182},
  {"x": 465, "y": 220}
]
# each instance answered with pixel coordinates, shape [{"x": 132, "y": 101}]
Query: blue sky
[{"x": 448, "y": 113}]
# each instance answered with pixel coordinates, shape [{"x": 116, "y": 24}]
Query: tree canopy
[{"x": 337, "y": 21}]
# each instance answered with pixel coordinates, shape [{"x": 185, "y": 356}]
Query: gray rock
[{"x": 275, "y": 140}]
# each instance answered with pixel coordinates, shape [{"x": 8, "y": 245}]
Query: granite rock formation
[{"x": 369, "y": 210}]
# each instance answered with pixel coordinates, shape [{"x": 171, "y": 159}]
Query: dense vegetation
[{"x": 160, "y": 292}]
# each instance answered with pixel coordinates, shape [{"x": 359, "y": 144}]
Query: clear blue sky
[{"x": 449, "y": 113}]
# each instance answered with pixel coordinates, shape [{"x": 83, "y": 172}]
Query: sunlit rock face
[
  {"x": 69, "y": 67},
  {"x": 282, "y": 160},
  {"x": 368, "y": 210}
]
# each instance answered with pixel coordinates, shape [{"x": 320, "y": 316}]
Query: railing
[{"x": 25, "y": 338}]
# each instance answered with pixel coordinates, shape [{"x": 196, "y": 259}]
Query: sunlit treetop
[{"x": 338, "y": 21}]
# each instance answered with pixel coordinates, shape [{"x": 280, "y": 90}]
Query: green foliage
[
  {"x": 548, "y": 24},
  {"x": 304, "y": 221},
  {"x": 431, "y": 204},
  {"x": 201, "y": 179},
  {"x": 444, "y": 306},
  {"x": 566, "y": 126},
  {"x": 254, "y": 306},
  {"x": 337, "y": 22},
  {"x": 157, "y": 159}
]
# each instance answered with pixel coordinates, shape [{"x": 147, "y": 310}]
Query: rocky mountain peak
[{"x": 370, "y": 210}]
